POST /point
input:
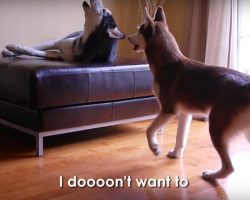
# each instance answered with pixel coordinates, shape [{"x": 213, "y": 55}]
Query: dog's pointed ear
[
  {"x": 85, "y": 5},
  {"x": 149, "y": 20},
  {"x": 160, "y": 15}
]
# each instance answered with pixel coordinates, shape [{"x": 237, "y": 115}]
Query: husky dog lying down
[{"x": 97, "y": 43}]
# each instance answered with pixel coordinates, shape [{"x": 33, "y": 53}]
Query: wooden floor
[{"x": 112, "y": 153}]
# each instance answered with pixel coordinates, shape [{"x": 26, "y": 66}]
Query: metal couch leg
[{"x": 39, "y": 145}]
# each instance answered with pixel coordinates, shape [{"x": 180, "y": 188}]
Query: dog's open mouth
[{"x": 136, "y": 47}]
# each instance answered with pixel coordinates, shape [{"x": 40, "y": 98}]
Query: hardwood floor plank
[{"x": 112, "y": 153}]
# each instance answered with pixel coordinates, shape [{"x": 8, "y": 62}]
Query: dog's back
[{"x": 196, "y": 87}]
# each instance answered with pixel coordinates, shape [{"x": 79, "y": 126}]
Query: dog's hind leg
[
  {"x": 156, "y": 125},
  {"x": 16, "y": 50},
  {"x": 220, "y": 133},
  {"x": 21, "y": 50},
  {"x": 47, "y": 45},
  {"x": 182, "y": 135}
]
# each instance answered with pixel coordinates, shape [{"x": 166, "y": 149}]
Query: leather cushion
[
  {"x": 38, "y": 83},
  {"x": 49, "y": 119}
]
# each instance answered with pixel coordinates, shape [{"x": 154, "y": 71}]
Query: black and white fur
[{"x": 97, "y": 43}]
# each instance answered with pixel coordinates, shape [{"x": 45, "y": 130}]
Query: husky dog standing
[
  {"x": 97, "y": 43},
  {"x": 185, "y": 86}
]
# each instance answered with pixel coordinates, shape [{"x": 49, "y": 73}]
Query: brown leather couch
[{"x": 45, "y": 98}]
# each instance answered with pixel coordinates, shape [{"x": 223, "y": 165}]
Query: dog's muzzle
[
  {"x": 115, "y": 33},
  {"x": 131, "y": 41}
]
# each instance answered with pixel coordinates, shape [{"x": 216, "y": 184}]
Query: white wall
[{"x": 29, "y": 22}]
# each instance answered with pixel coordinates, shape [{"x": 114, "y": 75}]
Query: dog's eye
[
  {"x": 105, "y": 12},
  {"x": 141, "y": 28}
]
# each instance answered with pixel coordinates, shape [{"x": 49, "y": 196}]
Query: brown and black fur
[{"x": 185, "y": 86}]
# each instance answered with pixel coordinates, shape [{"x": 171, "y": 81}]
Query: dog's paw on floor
[
  {"x": 174, "y": 154},
  {"x": 212, "y": 175}
]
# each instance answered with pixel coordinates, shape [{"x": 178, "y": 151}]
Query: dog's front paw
[
  {"x": 155, "y": 148},
  {"x": 174, "y": 154},
  {"x": 153, "y": 142}
]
